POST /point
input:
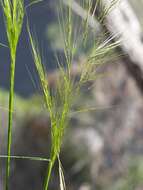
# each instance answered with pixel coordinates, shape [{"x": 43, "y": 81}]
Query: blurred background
[{"x": 102, "y": 148}]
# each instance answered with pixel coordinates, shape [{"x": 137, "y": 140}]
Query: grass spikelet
[
  {"x": 58, "y": 116},
  {"x": 59, "y": 102}
]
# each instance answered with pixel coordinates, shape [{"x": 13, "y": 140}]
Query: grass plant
[
  {"x": 13, "y": 17},
  {"x": 59, "y": 102}
]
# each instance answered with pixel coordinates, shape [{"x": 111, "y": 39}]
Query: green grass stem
[
  {"x": 13, "y": 17},
  {"x": 10, "y": 119}
]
